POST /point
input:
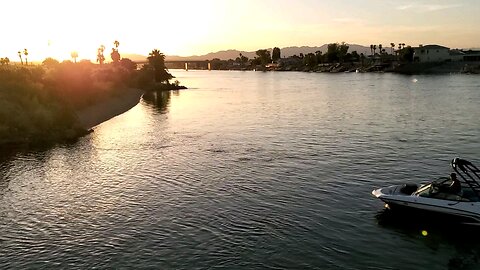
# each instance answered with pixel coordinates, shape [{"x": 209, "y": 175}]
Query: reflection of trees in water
[{"x": 159, "y": 99}]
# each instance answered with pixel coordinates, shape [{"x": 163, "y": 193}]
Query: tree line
[
  {"x": 39, "y": 101},
  {"x": 335, "y": 53}
]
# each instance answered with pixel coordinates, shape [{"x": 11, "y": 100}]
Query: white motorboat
[{"x": 437, "y": 197}]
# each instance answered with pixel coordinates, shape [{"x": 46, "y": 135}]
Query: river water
[{"x": 247, "y": 170}]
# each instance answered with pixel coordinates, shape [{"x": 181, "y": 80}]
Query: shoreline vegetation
[
  {"x": 61, "y": 102},
  {"x": 337, "y": 58}
]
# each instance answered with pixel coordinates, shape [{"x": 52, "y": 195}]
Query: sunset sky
[{"x": 188, "y": 27}]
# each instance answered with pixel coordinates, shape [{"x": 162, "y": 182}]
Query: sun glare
[{"x": 54, "y": 28}]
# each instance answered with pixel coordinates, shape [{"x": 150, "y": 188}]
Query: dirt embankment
[{"x": 96, "y": 114}]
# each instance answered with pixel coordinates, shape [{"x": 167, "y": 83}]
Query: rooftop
[{"x": 431, "y": 47}]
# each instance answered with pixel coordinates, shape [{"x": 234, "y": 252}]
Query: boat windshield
[{"x": 435, "y": 190}]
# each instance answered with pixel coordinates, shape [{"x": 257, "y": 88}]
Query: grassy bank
[
  {"x": 38, "y": 103},
  {"x": 30, "y": 112},
  {"x": 57, "y": 102}
]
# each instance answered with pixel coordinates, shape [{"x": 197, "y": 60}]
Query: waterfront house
[
  {"x": 471, "y": 55},
  {"x": 431, "y": 53}
]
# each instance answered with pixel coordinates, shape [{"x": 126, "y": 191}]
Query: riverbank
[
  {"x": 462, "y": 67},
  {"x": 98, "y": 113}
]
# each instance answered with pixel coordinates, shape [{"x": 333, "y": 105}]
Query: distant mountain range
[
  {"x": 232, "y": 54},
  {"x": 135, "y": 57},
  {"x": 285, "y": 52}
]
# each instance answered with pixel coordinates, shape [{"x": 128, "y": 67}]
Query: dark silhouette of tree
[
  {"x": 20, "y": 55},
  {"x": 380, "y": 48},
  {"x": 362, "y": 58},
  {"x": 243, "y": 59},
  {"x": 25, "y": 52},
  {"x": 355, "y": 57},
  {"x": 115, "y": 55},
  {"x": 332, "y": 55},
  {"x": 264, "y": 56},
  {"x": 4, "y": 61},
  {"x": 156, "y": 59},
  {"x": 100, "y": 56},
  {"x": 374, "y": 49},
  {"x": 371, "y": 49},
  {"x": 276, "y": 54},
  {"x": 50, "y": 62},
  {"x": 310, "y": 60},
  {"x": 74, "y": 56},
  {"x": 393, "y": 46},
  {"x": 318, "y": 55},
  {"x": 336, "y": 52},
  {"x": 128, "y": 64},
  {"x": 342, "y": 51},
  {"x": 406, "y": 54}
]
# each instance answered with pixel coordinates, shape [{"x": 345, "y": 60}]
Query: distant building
[
  {"x": 471, "y": 55},
  {"x": 431, "y": 53}
]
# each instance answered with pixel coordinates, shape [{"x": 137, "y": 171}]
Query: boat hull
[{"x": 447, "y": 210}]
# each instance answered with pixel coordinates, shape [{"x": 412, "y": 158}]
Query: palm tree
[
  {"x": 393, "y": 46},
  {"x": 157, "y": 61},
  {"x": 371, "y": 49},
  {"x": 25, "y": 52},
  {"x": 374, "y": 49},
  {"x": 114, "y": 54},
  {"x": 20, "y": 55},
  {"x": 100, "y": 56},
  {"x": 380, "y": 48},
  {"x": 74, "y": 55}
]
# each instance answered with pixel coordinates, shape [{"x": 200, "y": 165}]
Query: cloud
[
  {"x": 405, "y": 7},
  {"x": 427, "y": 7}
]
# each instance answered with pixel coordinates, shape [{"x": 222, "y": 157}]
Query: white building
[{"x": 431, "y": 53}]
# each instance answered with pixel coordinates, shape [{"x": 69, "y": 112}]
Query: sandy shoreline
[{"x": 103, "y": 111}]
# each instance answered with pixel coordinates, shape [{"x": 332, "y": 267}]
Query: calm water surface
[{"x": 247, "y": 170}]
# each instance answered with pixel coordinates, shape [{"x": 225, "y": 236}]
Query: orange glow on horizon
[{"x": 54, "y": 28}]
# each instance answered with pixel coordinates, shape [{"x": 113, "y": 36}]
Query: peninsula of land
[{"x": 60, "y": 102}]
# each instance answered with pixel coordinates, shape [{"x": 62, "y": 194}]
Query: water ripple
[{"x": 277, "y": 176}]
